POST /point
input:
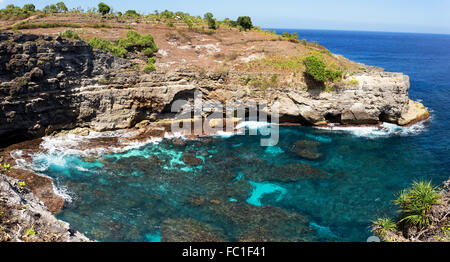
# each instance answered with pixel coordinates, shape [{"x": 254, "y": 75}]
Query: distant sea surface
[{"x": 148, "y": 192}]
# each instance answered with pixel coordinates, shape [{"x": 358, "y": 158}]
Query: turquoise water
[{"x": 242, "y": 189}]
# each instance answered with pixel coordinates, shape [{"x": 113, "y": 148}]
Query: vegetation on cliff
[{"x": 423, "y": 211}]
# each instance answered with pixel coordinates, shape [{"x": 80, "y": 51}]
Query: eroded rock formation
[{"x": 49, "y": 84}]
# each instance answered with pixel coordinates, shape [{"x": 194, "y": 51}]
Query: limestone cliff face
[
  {"x": 48, "y": 84},
  {"x": 26, "y": 219}
]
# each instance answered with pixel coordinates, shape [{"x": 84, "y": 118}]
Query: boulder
[
  {"x": 413, "y": 113},
  {"x": 307, "y": 149}
]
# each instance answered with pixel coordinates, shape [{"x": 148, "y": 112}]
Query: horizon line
[{"x": 353, "y": 30}]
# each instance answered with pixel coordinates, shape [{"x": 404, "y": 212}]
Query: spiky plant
[
  {"x": 383, "y": 225},
  {"x": 416, "y": 203}
]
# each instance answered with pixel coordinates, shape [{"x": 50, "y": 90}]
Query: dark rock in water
[
  {"x": 261, "y": 171},
  {"x": 191, "y": 160},
  {"x": 266, "y": 223},
  {"x": 178, "y": 142},
  {"x": 189, "y": 230},
  {"x": 307, "y": 149},
  {"x": 197, "y": 201}
]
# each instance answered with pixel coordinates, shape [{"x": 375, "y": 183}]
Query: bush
[
  {"x": 293, "y": 37},
  {"x": 70, "y": 34},
  {"x": 211, "y": 21},
  {"x": 51, "y": 8},
  {"x": 334, "y": 75},
  {"x": 416, "y": 203},
  {"x": 316, "y": 68},
  {"x": 61, "y": 7},
  {"x": 134, "y": 42},
  {"x": 108, "y": 46},
  {"x": 383, "y": 225},
  {"x": 131, "y": 13},
  {"x": 149, "y": 68},
  {"x": 26, "y": 25},
  {"x": 137, "y": 42},
  {"x": 245, "y": 22},
  {"x": 29, "y": 8},
  {"x": 103, "y": 9}
]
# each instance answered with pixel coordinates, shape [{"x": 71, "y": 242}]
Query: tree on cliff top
[
  {"x": 211, "y": 21},
  {"x": 245, "y": 22},
  {"x": 62, "y": 8},
  {"x": 104, "y": 8},
  {"x": 29, "y": 8}
]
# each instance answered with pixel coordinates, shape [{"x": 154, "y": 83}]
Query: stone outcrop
[
  {"x": 24, "y": 218},
  {"x": 415, "y": 112},
  {"x": 49, "y": 84}
]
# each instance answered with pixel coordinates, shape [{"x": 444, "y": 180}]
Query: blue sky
[{"x": 423, "y": 16}]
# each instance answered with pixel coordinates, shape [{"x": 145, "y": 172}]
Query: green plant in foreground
[
  {"x": 22, "y": 185},
  {"x": 416, "y": 203},
  {"x": 29, "y": 232},
  {"x": 383, "y": 225}
]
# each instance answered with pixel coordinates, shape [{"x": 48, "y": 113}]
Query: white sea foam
[
  {"x": 252, "y": 125},
  {"x": 386, "y": 130},
  {"x": 64, "y": 192}
]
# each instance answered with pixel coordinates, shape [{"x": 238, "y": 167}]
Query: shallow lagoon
[{"x": 129, "y": 196}]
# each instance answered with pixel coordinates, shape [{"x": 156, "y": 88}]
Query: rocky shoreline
[
  {"x": 49, "y": 84},
  {"x": 24, "y": 218}
]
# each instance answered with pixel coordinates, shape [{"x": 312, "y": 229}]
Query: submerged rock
[
  {"x": 189, "y": 230},
  {"x": 266, "y": 223},
  {"x": 307, "y": 149},
  {"x": 261, "y": 171},
  {"x": 191, "y": 160}
]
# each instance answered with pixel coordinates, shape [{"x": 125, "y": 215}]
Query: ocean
[{"x": 244, "y": 191}]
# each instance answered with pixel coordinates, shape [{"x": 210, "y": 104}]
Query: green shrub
[
  {"x": 104, "y": 8},
  {"x": 416, "y": 203},
  {"x": 149, "y": 68},
  {"x": 137, "y": 42},
  {"x": 51, "y": 8},
  {"x": 245, "y": 22},
  {"x": 108, "y": 46},
  {"x": 29, "y": 8},
  {"x": 316, "y": 68},
  {"x": 211, "y": 21},
  {"x": 15, "y": 12},
  {"x": 383, "y": 225},
  {"x": 293, "y": 37},
  {"x": 131, "y": 13},
  {"x": 26, "y": 25},
  {"x": 334, "y": 75},
  {"x": 70, "y": 34},
  {"x": 61, "y": 7}
]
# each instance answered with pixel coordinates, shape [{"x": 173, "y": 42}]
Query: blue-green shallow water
[{"x": 128, "y": 196}]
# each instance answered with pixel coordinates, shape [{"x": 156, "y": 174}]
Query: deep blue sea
[{"x": 244, "y": 191}]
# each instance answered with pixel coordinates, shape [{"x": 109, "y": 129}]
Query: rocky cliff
[
  {"x": 24, "y": 218},
  {"x": 50, "y": 83}
]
